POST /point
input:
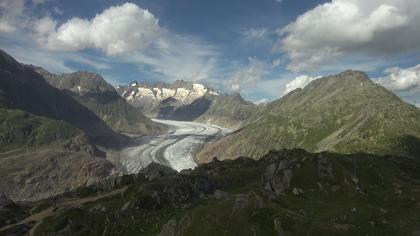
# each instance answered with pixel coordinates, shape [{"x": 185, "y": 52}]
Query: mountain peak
[
  {"x": 82, "y": 82},
  {"x": 350, "y": 80},
  {"x": 8, "y": 63}
]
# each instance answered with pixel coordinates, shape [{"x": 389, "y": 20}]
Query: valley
[{"x": 175, "y": 149}]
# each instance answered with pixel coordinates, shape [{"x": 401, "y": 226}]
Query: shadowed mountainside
[{"x": 92, "y": 91}]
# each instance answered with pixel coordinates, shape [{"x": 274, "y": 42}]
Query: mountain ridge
[
  {"x": 48, "y": 139},
  {"x": 344, "y": 113},
  {"x": 92, "y": 91},
  {"x": 188, "y": 101}
]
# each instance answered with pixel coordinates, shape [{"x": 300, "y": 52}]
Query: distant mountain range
[
  {"x": 92, "y": 91},
  {"x": 345, "y": 113},
  {"x": 188, "y": 101}
]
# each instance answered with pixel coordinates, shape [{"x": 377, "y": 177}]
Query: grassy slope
[
  {"x": 92, "y": 91},
  {"x": 329, "y": 204},
  {"x": 19, "y": 129},
  {"x": 228, "y": 111},
  {"x": 118, "y": 114},
  {"x": 345, "y": 113}
]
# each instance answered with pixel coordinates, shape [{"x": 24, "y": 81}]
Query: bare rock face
[
  {"x": 46, "y": 173},
  {"x": 277, "y": 178},
  {"x": 174, "y": 228},
  {"x": 155, "y": 171},
  {"x": 81, "y": 143}
]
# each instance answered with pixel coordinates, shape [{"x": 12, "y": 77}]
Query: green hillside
[{"x": 346, "y": 113}]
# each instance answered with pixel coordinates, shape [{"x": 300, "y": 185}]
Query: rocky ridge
[{"x": 188, "y": 101}]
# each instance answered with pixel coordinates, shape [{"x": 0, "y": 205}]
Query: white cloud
[
  {"x": 39, "y": 1},
  {"x": 117, "y": 30},
  {"x": 133, "y": 35},
  {"x": 255, "y": 34},
  {"x": 57, "y": 11},
  {"x": 277, "y": 62},
  {"x": 55, "y": 62},
  {"x": 11, "y": 15},
  {"x": 247, "y": 76},
  {"x": 178, "y": 57},
  {"x": 298, "y": 82},
  {"x": 343, "y": 27},
  {"x": 261, "y": 101},
  {"x": 401, "y": 80}
]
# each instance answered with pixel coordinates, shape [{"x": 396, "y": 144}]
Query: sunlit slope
[{"x": 345, "y": 113}]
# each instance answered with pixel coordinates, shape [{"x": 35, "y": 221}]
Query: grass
[{"x": 336, "y": 208}]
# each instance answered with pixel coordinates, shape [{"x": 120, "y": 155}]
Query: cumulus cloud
[
  {"x": 341, "y": 27},
  {"x": 401, "y": 79},
  {"x": 298, "y": 82},
  {"x": 130, "y": 34},
  {"x": 247, "y": 76},
  {"x": 117, "y": 30}
]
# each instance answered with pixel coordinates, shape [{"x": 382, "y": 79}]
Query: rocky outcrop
[
  {"x": 277, "y": 178},
  {"x": 230, "y": 198},
  {"x": 155, "y": 171}
]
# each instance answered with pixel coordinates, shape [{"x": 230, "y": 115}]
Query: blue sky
[{"x": 261, "y": 49}]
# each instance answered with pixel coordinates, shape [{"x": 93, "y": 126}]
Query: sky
[{"x": 260, "y": 48}]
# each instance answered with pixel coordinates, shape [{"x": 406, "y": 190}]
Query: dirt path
[{"x": 60, "y": 207}]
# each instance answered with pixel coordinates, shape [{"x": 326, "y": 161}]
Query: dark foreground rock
[{"x": 283, "y": 193}]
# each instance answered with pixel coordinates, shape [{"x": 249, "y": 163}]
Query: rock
[
  {"x": 297, "y": 191},
  {"x": 174, "y": 228},
  {"x": 277, "y": 179},
  {"x": 325, "y": 168},
  {"x": 219, "y": 194},
  {"x": 155, "y": 171},
  {"x": 168, "y": 229},
  {"x": 278, "y": 227}
]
